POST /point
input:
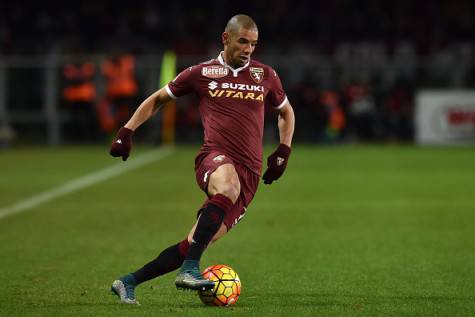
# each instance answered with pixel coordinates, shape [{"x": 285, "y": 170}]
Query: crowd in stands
[
  {"x": 34, "y": 27},
  {"x": 351, "y": 68}
]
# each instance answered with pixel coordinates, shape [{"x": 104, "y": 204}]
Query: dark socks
[
  {"x": 169, "y": 260},
  {"x": 172, "y": 258},
  {"x": 208, "y": 225}
]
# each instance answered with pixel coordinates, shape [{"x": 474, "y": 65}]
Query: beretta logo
[
  {"x": 257, "y": 73},
  {"x": 214, "y": 71}
]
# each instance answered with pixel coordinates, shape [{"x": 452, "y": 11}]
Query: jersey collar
[{"x": 234, "y": 70}]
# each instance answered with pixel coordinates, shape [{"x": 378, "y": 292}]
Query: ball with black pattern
[{"x": 227, "y": 286}]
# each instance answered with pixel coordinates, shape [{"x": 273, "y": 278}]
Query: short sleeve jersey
[{"x": 231, "y": 104}]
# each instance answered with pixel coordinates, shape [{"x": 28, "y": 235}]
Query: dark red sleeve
[
  {"x": 276, "y": 96},
  {"x": 183, "y": 83}
]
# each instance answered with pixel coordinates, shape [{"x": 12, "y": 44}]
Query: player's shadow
[
  {"x": 293, "y": 299},
  {"x": 417, "y": 298},
  {"x": 354, "y": 300}
]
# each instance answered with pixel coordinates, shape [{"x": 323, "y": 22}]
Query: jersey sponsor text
[
  {"x": 214, "y": 71},
  {"x": 235, "y": 90}
]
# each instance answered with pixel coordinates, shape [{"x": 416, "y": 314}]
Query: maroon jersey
[{"x": 231, "y": 103}]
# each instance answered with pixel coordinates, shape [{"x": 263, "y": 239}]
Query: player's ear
[{"x": 225, "y": 38}]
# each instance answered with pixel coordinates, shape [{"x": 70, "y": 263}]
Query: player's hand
[
  {"x": 276, "y": 164},
  {"x": 122, "y": 143}
]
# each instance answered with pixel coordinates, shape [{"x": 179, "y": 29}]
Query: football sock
[
  {"x": 169, "y": 260},
  {"x": 208, "y": 225}
]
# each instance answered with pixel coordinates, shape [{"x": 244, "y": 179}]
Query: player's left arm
[
  {"x": 277, "y": 161},
  {"x": 286, "y": 124}
]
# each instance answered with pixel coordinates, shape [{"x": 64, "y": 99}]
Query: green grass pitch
[{"x": 347, "y": 231}]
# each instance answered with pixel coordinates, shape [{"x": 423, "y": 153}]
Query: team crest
[
  {"x": 214, "y": 71},
  {"x": 219, "y": 158},
  {"x": 257, "y": 73}
]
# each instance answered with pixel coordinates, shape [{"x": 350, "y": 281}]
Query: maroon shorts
[{"x": 207, "y": 163}]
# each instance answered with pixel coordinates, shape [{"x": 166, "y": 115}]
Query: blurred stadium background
[
  {"x": 353, "y": 71},
  {"x": 371, "y": 217}
]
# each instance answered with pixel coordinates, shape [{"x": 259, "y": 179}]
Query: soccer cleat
[
  {"x": 124, "y": 288},
  {"x": 190, "y": 277}
]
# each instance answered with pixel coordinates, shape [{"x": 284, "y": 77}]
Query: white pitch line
[{"x": 86, "y": 181}]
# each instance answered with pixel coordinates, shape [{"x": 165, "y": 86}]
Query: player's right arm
[
  {"x": 181, "y": 85},
  {"x": 148, "y": 108},
  {"x": 122, "y": 143}
]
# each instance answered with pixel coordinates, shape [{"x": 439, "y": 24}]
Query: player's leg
[
  {"x": 224, "y": 189},
  {"x": 169, "y": 260},
  {"x": 173, "y": 257},
  {"x": 221, "y": 232}
]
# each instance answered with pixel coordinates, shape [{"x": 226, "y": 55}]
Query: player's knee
[
  {"x": 230, "y": 189},
  {"x": 225, "y": 181}
]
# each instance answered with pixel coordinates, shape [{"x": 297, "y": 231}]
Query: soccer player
[{"x": 232, "y": 90}]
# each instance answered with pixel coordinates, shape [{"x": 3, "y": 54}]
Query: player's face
[{"x": 238, "y": 47}]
